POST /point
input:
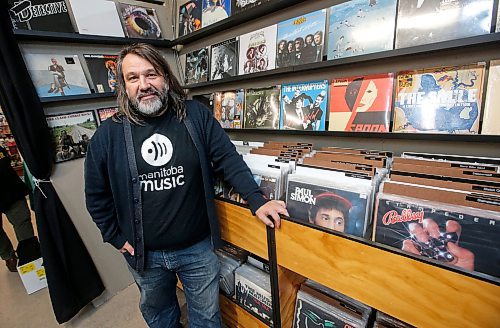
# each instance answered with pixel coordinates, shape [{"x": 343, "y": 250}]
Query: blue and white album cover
[
  {"x": 214, "y": 11},
  {"x": 301, "y": 39},
  {"x": 304, "y": 106},
  {"x": 360, "y": 27}
]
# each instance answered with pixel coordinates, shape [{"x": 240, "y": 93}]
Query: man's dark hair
[
  {"x": 330, "y": 201},
  {"x": 175, "y": 94}
]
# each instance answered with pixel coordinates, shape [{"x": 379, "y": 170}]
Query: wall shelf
[{"x": 77, "y": 97}]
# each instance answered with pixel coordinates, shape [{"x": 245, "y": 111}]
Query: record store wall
[{"x": 443, "y": 58}]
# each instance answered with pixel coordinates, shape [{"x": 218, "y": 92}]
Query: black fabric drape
[{"x": 71, "y": 274}]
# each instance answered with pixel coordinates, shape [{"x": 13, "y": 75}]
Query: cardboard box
[{"x": 33, "y": 275}]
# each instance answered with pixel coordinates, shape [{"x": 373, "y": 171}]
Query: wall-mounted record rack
[
  {"x": 476, "y": 42},
  {"x": 103, "y": 95}
]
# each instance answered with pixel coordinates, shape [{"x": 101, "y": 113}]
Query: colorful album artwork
[
  {"x": 71, "y": 134},
  {"x": 328, "y": 207},
  {"x": 361, "y": 103},
  {"x": 253, "y": 297},
  {"x": 56, "y": 75},
  {"x": 360, "y": 27},
  {"x": 304, "y": 106},
  {"x": 228, "y": 108},
  {"x": 189, "y": 17},
  {"x": 257, "y": 51},
  {"x": 140, "y": 22},
  {"x": 40, "y": 15},
  {"x": 308, "y": 314},
  {"x": 459, "y": 237},
  {"x": 102, "y": 69},
  {"x": 301, "y": 39},
  {"x": 238, "y": 6},
  {"x": 105, "y": 113},
  {"x": 491, "y": 118},
  {"x": 224, "y": 59},
  {"x": 97, "y": 17},
  {"x": 439, "y": 100},
  {"x": 262, "y": 108},
  {"x": 428, "y": 21},
  {"x": 197, "y": 66},
  {"x": 214, "y": 11}
]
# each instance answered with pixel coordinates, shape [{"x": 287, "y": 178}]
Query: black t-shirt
[{"x": 174, "y": 207}]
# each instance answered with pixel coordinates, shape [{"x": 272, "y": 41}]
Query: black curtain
[{"x": 71, "y": 274}]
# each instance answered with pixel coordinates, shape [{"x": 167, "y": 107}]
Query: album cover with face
[
  {"x": 197, "y": 66},
  {"x": 304, "y": 106},
  {"x": 97, "y": 17},
  {"x": 439, "y": 100},
  {"x": 102, "y": 69},
  {"x": 40, "y": 15},
  {"x": 56, "y": 75},
  {"x": 262, "y": 108},
  {"x": 214, "y": 11},
  {"x": 105, "y": 113},
  {"x": 189, "y": 17},
  {"x": 361, "y": 103},
  {"x": 228, "y": 109},
  {"x": 139, "y": 22},
  {"x": 491, "y": 117},
  {"x": 71, "y": 134},
  {"x": 224, "y": 59},
  {"x": 361, "y": 27},
  {"x": 428, "y": 21},
  {"x": 257, "y": 51},
  {"x": 301, "y": 39}
]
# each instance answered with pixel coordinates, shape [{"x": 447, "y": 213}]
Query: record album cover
[
  {"x": 304, "y": 105},
  {"x": 228, "y": 108},
  {"x": 361, "y": 103},
  {"x": 97, "y": 17},
  {"x": 428, "y": 21},
  {"x": 301, "y": 39},
  {"x": 238, "y": 6},
  {"x": 251, "y": 296},
  {"x": 214, "y": 11},
  {"x": 40, "y": 15},
  {"x": 328, "y": 207},
  {"x": 439, "y": 100},
  {"x": 140, "y": 22},
  {"x": 105, "y": 113},
  {"x": 56, "y": 75},
  {"x": 262, "y": 108},
  {"x": 257, "y": 51},
  {"x": 497, "y": 29},
  {"x": 491, "y": 116},
  {"x": 224, "y": 59},
  {"x": 190, "y": 17},
  {"x": 71, "y": 134},
  {"x": 466, "y": 240},
  {"x": 102, "y": 69},
  {"x": 360, "y": 27},
  {"x": 197, "y": 66}
]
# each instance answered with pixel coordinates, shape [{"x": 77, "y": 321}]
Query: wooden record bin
[{"x": 419, "y": 293}]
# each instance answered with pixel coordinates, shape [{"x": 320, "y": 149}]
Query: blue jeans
[{"x": 198, "y": 269}]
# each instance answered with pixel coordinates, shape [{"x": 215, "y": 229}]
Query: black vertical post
[{"x": 273, "y": 273}]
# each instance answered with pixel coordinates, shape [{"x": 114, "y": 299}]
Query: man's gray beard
[{"x": 154, "y": 106}]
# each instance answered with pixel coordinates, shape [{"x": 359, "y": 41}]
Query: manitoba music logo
[
  {"x": 157, "y": 150},
  {"x": 25, "y": 11}
]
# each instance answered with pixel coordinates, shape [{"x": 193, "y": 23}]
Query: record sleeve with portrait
[
  {"x": 71, "y": 134},
  {"x": 257, "y": 52},
  {"x": 197, "y": 66},
  {"x": 229, "y": 108},
  {"x": 189, "y": 17},
  {"x": 215, "y": 11},
  {"x": 40, "y": 15},
  {"x": 439, "y": 100},
  {"x": 102, "y": 69},
  {"x": 301, "y": 40},
  {"x": 262, "y": 108},
  {"x": 456, "y": 235},
  {"x": 140, "y": 22},
  {"x": 361, "y": 103},
  {"x": 224, "y": 59}
]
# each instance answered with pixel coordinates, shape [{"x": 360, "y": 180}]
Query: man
[
  {"x": 13, "y": 205},
  {"x": 315, "y": 113},
  {"x": 330, "y": 211},
  {"x": 318, "y": 41},
  {"x": 149, "y": 188},
  {"x": 59, "y": 79}
]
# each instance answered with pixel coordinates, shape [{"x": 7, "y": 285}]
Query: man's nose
[{"x": 143, "y": 82}]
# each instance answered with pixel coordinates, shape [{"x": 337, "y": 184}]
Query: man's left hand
[{"x": 272, "y": 208}]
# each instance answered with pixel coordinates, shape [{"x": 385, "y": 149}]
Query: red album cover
[{"x": 361, "y": 103}]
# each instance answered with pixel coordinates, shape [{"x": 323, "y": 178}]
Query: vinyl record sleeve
[
  {"x": 491, "y": 118},
  {"x": 56, "y": 75},
  {"x": 360, "y": 27},
  {"x": 228, "y": 108},
  {"x": 214, "y": 11},
  {"x": 429, "y": 21},
  {"x": 238, "y": 6},
  {"x": 262, "y": 108},
  {"x": 476, "y": 244},
  {"x": 301, "y": 39},
  {"x": 361, "y": 103},
  {"x": 189, "y": 17},
  {"x": 97, "y": 17},
  {"x": 140, "y": 22},
  {"x": 197, "y": 66},
  {"x": 497, "y": 29},
  {"x": 71, "y": 134},
  {"x": 102, "y": 69},
  {"x": 105, "y": 113},
  {"x": 224, "y": 59},
  {"x": 250, "y": 293},
  {"x": 40, "y": 15},
  {"x": 257, "y": 51},
  {"x": 439, "y": 100},
  {"x": 304, "y": 105}
]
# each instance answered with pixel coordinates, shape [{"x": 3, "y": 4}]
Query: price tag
[{"x": 40, "y": 273}]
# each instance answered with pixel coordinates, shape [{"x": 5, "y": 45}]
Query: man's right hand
[{"x": 127, "y": 248}]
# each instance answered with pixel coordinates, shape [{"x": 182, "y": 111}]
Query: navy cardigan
[{"x": 112, "y": 186}]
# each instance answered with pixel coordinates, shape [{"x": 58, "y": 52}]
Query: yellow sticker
[
  {"x": 27, "y": 268},
  {"x": 40, "y": 273}
]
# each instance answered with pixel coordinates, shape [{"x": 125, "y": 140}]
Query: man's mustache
[{"x": 148, "y": 92}]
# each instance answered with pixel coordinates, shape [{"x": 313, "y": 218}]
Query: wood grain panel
[
  {"x": 241, "y": 228},
  {"x": 289, "y": 284},
  {"x": 418, "y": 293},
  {"x": 234, "y": 316}
]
